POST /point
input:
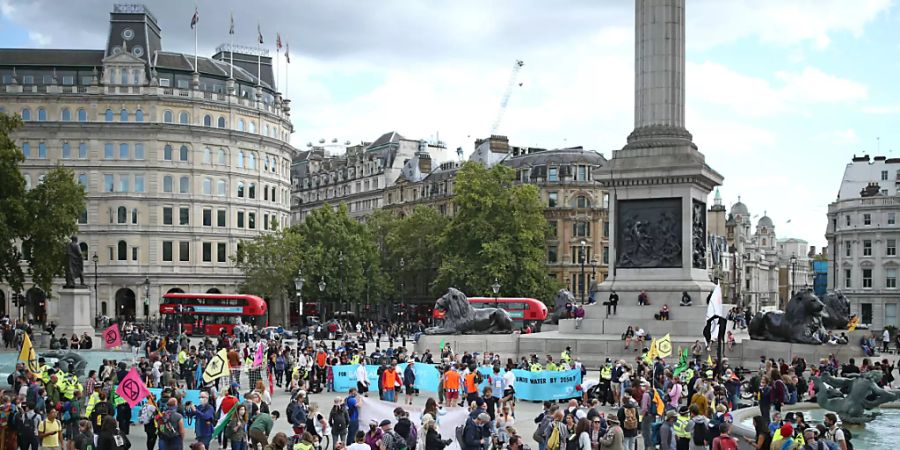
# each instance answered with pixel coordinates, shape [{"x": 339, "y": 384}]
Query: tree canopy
[{"x": 41, "y": 220}]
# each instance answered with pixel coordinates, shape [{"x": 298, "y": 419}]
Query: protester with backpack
[
  {"x": 26, "y": 426},
  {"x": 724, "y": 441},
  {"x": 697, "y": 427},
  {"x": 236, "y": 429},
  {"x": 339, "y": 420},
  {"x": 171, "y": 428},
  {"x": 629, "y": 417},
  {"x": 472, "y": 436},
  {"x": 50, "y": 431}
]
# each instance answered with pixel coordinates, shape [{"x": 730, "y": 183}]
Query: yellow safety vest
[
  {"x": 564, "y": 356},
  {"x": 798, "y": 438},
  {"x": 536, "y": 367},
  {"x": 354, "y": 360},
  {"x": 551, "y": 367},
  {"x": 92, "y": 401},
  {"x": 182, "y": 357},
  {"x": 606, "y": 373},
  {"x": 680, "y": 427}
]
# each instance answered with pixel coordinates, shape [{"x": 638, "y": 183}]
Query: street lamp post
[
  {"x": 581, "y": 259},
  {"x": 496, "y": 288},
  {"x": 593, "y": 276},
  {"x": 341, "y": 281},
  {"x": 298, "y": 289},
  {"x": 793, "y": 274},
  {"x": 402, "y": 284},
  {"x": 322, "y": 300},
  {"x": 95, "y": 259},
  {"x": 147, "y": 298}
]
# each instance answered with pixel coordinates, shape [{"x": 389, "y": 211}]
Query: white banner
[{"x": 448, "y": 418}]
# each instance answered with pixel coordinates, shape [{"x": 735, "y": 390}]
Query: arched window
[
  {"x": 42, "y": 115},
  {"x": 122, "y": 214},
  {"x": 252, "y": 126},
  {"x": 220, "y": 188},
  {"x": 139, "y": 116},
  {"x": 220, "y": 156},
  {"x": 134, "y": 215},
  {"x": 184, "y": 185},
  {"x": 82, "y": 115},
  {"x": 240, "y": 159},
  {"x": 183, "y": 153},
  {"x": 167, "y": 116},
  {"x": 240, "y": 189},
  {"x": 167, "y": 183},
  {"x": 122, "y": 251},
  {"x": 108, "y": 115},
  {"x": 207, "y": 156},
  {"x": 251, "y": 190},
  {"x": 84, "y": 250},
  {"x": 582, "y": 202},
  {"x": 123, "y": 115},
  {"x": 221, "y": 122},
  {"x": 167, "y": 153},
  {"x": 240, "y": 124},
  {"x": 26, "y": 114},
  {"x": 207, "y": 120},
  {"x": 184, "y": 118},
  {"x": 207, "y": 186},
  {"x": 266, "y": 163},
  {"x": 65, "y": 115},
  {"x": 251, "y": 161}
]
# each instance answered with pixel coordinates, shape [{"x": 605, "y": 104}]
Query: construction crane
[{"x": 517, "y": 66}]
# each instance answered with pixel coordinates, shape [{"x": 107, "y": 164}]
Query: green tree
[
  {"x": 41, "y": 219},
  {"x": 270, "y": 263},
  {"x": 416, "y": 240},
  {"x": 342, "y": 252},
  {"x": 498, "y": 232}
]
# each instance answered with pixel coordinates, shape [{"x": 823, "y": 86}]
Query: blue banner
[
  {"x": 544, "y": 385},
  {"x": 427, "y": 377},
  {"x": 190, "y": 395}
]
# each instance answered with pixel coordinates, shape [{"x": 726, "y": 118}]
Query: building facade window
[
  {"x": 207, "y": 252},
  {"x": 183, "y": 153},
  {"x": 167, "y": 215},
  {"x": 82, "y": 115},
  {"x": 251, "y": 220},
  {"x": 890, "y": 280},
  {"x": 220, "y": 157},
  {"x": 207, "y": 217},
  {"x": 139, "y": 152},
  {"x": 65, "y": 115},
  {"x": 109, "y": 115},
  {"x": 123, "y": 151},
  {"x": 240, "y": 219},
  {"x": 221, "y": 254},
  {"x": 867, "y": 278},
  {"x": 139, "y": 116},
  {"x": 82, "y": 150},
  {"x": 848, "y": 248},
  {"x": 184, "y": 251},
  {"x": 220, "y": 217},
  {"x": 867, "y": 219},
  {"x": 867, "y": 248},
  {"x": 109, "y": 183},
  {"x": 891, "y": 248},
  {"x": 167, "y": 251},
  {"x": 240, "y": 189},
  {"x": 848, "y": 278},
  {"x": 221, "y": 122},
  {"x": 167, "y": 116},
  {"x": 139, "y": 183},
  {"x": 167, "y": 184},
  {"x": 207, "y": 156},
  {"x": 220, "y": 188},
  {"x": 184, "y": 185},
  {"x": 42, "y": 115},
  {"x": 553, "y": 174},
  {"x": 251, "y": 190},
  {"x": 121, "y": 215},
  {"x": 207, "y": 186},
  {"x": 207, "y": 120},
  {"x": 122, "y": 251},
  {"x": 552, "y": 199},
  {"x": 866, "y": 313},
  {"x": 582, "y": 202},
  {"x": 124, "y": 182},
  {"x": 123, "y": 115},
  {"x": 184, "y": 118},
  {"x": 66, "y": 151},
  {"x": 552, "y": 254},
  {"x": 108, "y": 151},
  {"x": 184, "y": 216}
]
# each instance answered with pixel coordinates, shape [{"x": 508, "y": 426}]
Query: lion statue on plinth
[
  {"x": 838, "y": 308},
  {"x": 563, "y": 299},
  {"x": 461, "y": 318},
  {"x": 800, "y": 323}
]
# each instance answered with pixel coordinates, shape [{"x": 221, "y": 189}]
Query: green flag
[
  {"x": 682, "y": 363},
  {"x": 442, "y": 344},
  {"x": 223, "y": 421}
]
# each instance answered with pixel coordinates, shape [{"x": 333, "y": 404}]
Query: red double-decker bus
[
  {"x": 209, "y": 314},
  {"x": 520, "y": 309}
]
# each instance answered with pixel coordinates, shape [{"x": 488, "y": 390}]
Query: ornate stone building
[
  {"x": 575, "y": 205},
  {"x": 862, "y": 239},
  {"x": 182, "y": 158}
]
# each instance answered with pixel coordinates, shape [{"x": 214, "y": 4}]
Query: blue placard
[{"x": 213, "y": 309}]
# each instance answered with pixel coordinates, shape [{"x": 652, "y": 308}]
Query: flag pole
[
  {"x": 196, "y": 26},
  {"x": 277, "y": 50},
  {"x": 258, "y": 55},
  {"x": 231, "y": 47},
  {"x": 287, "y": 64}
]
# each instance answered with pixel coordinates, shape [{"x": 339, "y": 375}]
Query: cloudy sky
[{"x": 780, "y": 94}]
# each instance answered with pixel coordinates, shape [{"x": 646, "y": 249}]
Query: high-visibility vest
[
  {"x": 536, "y": 367},
  {"x": 92, "y": 401},
  {"x": 551, "y": 366},
  {"x": 606, "y": 373},
  {"x": 564, "y": 356},
  {"x": 470, "y": 383},
  {"x": 182, "y": 357},
  {"x": 798, "y": 438},
  {"x": 680, "y": 427},
  {"x": 452, "y": 380},
  {"x": 390, "y": 379},
  {"x": 354, "y": 359}
]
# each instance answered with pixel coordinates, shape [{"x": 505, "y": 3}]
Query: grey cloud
[{"x": 390, "y": 31}]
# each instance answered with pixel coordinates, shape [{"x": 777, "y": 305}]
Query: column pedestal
[{"x": 74, "y": 312}]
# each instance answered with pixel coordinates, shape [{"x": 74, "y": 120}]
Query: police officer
[
  {"x": 682, "y": 435},
  {"x": 606, "y": 383}
]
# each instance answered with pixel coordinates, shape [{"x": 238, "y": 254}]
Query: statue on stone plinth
[
  {"x": 863, "y": 393},
  {"x": 800, "y": 323},
  {"x": 74, "y": 264},
  {"x": 461, "y": 317}
]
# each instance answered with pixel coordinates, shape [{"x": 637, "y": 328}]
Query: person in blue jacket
[
  {"x": 204, "y": 421},
  {"x": 409, "y": 381}
]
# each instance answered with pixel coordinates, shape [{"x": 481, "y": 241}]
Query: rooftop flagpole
[
  {"x": 231, "y": 46},
  {"x": 259, "y": 42},
  {"x": 194, "y": 26}
]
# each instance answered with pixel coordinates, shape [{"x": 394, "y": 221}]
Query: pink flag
[
  {"x": 258, "y": 357},
  {"x": 132, "y": 388},
  {"x": 112, "y": 337}
]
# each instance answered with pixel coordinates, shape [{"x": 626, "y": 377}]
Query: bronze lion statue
[
  {"x": 563, "y": 298},
  {"x": 70, "y": 362},
  {"x": 838, "y": 308},
  {"x": 461, "y": 318},
  {"x": 800, "y": 323}
]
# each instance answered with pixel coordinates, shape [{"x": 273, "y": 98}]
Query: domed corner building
[{"x": 180, "y": 162}]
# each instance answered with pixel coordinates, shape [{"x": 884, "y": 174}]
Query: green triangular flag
[{"x": 442, "y": 344}]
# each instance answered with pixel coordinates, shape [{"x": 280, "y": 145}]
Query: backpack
[
  {"x": 539, "y": 432},
  {"x": 712, "y": 428},
  {"x": 166, "y": 429},
  {"x": 393, "y": 441},
  {"x": 727, "y": 443},
  {"x": 460, "y": 432},
  {"x": 847, "y": 436},
  {"x": 698, "y": 435},
  {"x": 412, "y": 438},
  {"x": 630, "y": 422},
  {"x": 25, "y": 424},
  {"x": 478, "y": 378},
  {"x": 553, "y": 441}
]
